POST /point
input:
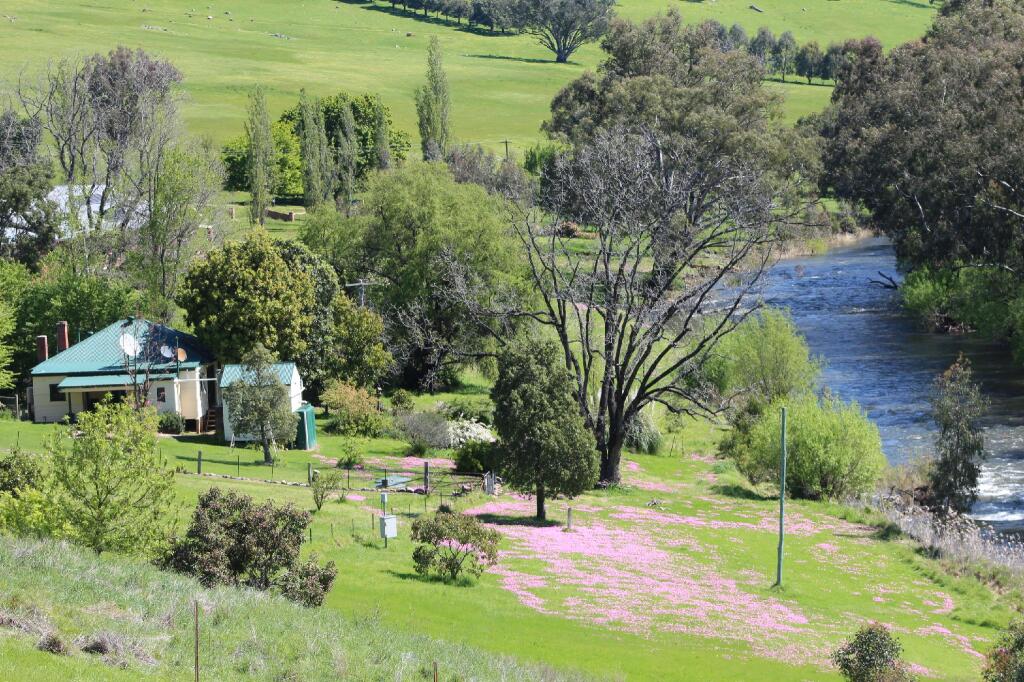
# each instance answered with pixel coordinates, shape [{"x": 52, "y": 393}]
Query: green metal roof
[
  {"x": 101, "y": 353},
  {"x": 232, "y": 373},
  {"x": 108, "y": 380}
]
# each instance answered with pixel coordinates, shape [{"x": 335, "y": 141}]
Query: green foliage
[
  {"x": 872, "y": 655},
  {"x": 336, "y": 238},
  {"x": 259, "y": 157},
  {"x": 259, "y": 404},
  {"x": 478, "y": 457},
  {"x": 564, "y": 26},
  {"x": 353, "y": 410},
  {"x": 231, "y": 540},
  {"x": 765, "y": 358},
  {"x": 453, "y": 544},
  {"x": 358, "y": 354},
  {"x": 19, "y": 470},
  {"x": 464, "y": 408},
  {"x": 957, "y": 404},
  {"x": 287, "y": 161},
  {"x": 318, "y": 170},
  {"x": 548, "y": 450},
  {"x": 87, "y": 302},
  {"x": 1005, "y": 662},
  {"x": 107, "y": 489},
  {"x": 245, "y": 294},
  {"x": 834, "y": 450},
  {"x": 425, "y": 431},
  {"x": 402, "y": 401},
  {"x": 171, "y": 422},
  {"x": 349, "y": 456},
  {"x": 7, "y": 326},
  {"x": 419, "y": 223},
  {"x": 31, "y": 221},
  {"x": 324, "y": 483},
  {"x": 433, "y": 107}
]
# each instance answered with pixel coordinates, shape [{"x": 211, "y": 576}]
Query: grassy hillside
[
  {"x": 501, "y": 85},
  {"x": 669, "y": 575},
  {"x": 146, "y": 617}
]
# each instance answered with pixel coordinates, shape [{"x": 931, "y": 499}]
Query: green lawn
[
  {"x": 501, "y": 85},
  {"x": 682, "y": 588}
]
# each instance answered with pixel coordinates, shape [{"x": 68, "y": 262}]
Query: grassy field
[
  {"x": 669, "y": 575},
  {"x": 501, "y": 85}
]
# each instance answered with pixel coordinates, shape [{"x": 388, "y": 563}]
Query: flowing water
[{"x": 878, "y": 356}]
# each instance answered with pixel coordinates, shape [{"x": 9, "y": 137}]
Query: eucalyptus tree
[{"x": 564, "y": 26}]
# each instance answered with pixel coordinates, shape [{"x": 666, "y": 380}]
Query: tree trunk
[
  {"x": 611, "y": 457},
  {"x": 267, "y": 458},
  {"x": 541, "y": 511}
]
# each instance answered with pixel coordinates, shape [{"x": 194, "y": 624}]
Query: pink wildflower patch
[
  {"x": 355, "y": 497},
  {"x": 946, "y": 633},
  {"x": 632, "y": 466},
  {"x": 503, "y": 508},
  {"x": 827, "y": 547},
  {"x": 700, "y": 457}
]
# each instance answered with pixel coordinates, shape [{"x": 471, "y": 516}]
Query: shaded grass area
[{"x": 501, "y": 85}]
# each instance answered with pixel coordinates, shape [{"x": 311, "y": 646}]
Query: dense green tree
[
  {"x": 548, "y": 449},
  {"x": 259, "y": 404},
  {"x": 738, "y": 38},
  {"x": 260, "y": 156},
  {"x": 762, "y": 46},
  {"x": 419, "y": 226},
  {"x": 873, "y": 654},
  {"x": 318, "y": 169},
  {"x": 564, "y": 26},
  {"x": 381, "y": 138},
  {"x": 318, "y": 361},
  {"x": 784, "y": 55},
  {"x": 112, "y": 491},
  {"x": 957, "y": 405},
  {"x": 7, "y": 326},
  {"x": 358, "y": 354},
  {"x": 244, "y": 294},
  {"x": 433, "y": 107},
  {"x": 339, "y": 240},
  {"x": 808, "y": 61},
  {"x": 87, "y": 303}
]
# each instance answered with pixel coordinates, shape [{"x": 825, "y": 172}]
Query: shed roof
[
  {"x": 101, "y": 353},
  {"x": 232, "y": 373}
]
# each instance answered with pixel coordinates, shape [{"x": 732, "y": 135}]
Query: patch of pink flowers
[
  {"x": 414, "y": 463},
  {"x": 632, "y": 466},
  {"x": 355, "y": 497}
]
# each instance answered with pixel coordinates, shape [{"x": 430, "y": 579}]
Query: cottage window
[
  {"x": 161, "y": 394},
  {"x": 55, "y": 395}
]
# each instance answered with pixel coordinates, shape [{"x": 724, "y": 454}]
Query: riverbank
[{"x": 819, "y": 246}]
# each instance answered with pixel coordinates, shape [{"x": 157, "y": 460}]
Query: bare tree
[
  {"x": 109, "y": 117},
  {"x": 676, "y": 253}
]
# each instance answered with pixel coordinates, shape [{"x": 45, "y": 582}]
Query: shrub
[
  {"x": 452, "y": 544},
  {"x": 401, "y": 402},
  {"x": 834, "y": 450},
  {"x": 872, "y": 655},
  {"x": 309, "y": 583},
  {"x": 170, "y": 422},
  {"x": 348, "y": 456},
  {"x": 19, "y": 471},
  {"x": 233, "y": 541},
  {"x": 324, "y": 483},
  {"x": 643, "y": 434},
  {"x": 477, "y": 457},
  {"x": 1005, "y": 662},
  {"x": 468, "y": 410},
  {"x": 353, "y": 411},
  {"x": 425, "y": 430},
  {"x": 462, "y": 431}
]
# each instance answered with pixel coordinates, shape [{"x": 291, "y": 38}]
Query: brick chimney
[
  {"x": 62, "y": 336},
  {"x": 42, "y": 347}
]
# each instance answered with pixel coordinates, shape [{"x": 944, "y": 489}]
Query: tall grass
[{"x": 132, "y": 615}]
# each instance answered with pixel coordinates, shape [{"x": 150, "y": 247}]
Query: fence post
[
  {"x": 782, "y": 501},
  {"x": 238, "y": 465},
  {"x": 309, "y": 473},
  {"x": 568, "y": 513},
  {"x": 195, "y": 607},
  {"x": 426, "y": 475},
  {"x": 199, "y": 463}
]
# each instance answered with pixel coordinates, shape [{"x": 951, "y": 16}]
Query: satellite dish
[
  {"x": 181, "y": 355},
  {"x": 129, "y": 344},
  {"x": 167, "y": 352}
]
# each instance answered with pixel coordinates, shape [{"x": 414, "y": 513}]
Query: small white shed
[{"x": 286, "y": 372}]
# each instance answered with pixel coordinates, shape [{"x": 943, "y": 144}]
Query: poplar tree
[
  {"x": 433, "y": 104},
  {"x": 381, "y": 135},
  {"x": 317, "y": 171},
  {"x": 346, "y": 155},
  {"x": 259, "y": 156}
]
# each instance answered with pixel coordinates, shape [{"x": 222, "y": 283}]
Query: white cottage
[{"x": 288, "y": 374}]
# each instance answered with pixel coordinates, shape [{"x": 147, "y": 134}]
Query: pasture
[{"x": 501, "y": 84}]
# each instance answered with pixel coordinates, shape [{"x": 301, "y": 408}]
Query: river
[{"x": 878, "y": 356}]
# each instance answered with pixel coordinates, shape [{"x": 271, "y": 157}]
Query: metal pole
[
  {"x": 199, "y": 463},
  {"x": 782, "y": 501},
  {"x": 426, "y": 476},
  {"x": 568, "y": 514},
  {"x": 238, "y": 465},
  {"x": 309, "y": 473}
]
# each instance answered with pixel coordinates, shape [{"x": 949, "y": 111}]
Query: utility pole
[
  {"x": 782, "y": 501},
  {"x": 362, "y": 284}
]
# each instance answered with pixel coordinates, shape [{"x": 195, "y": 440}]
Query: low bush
[
  {"x": 401, "y": 402},
  {"x": 170, "y": 422},
  {"x": 349, "y": 456},
  {"x": 453, "y": 544},
  {"x": 1005, "y": 662},
  {"x": 232, "y": 540},
  {"x": 478, "y": 457},
  {"x": 324, "y": 483},
  {"x": 425, "y": 431},
  {"x": 353, "y": 411},
  {"x": 643, "y": 434},
  {"x": 19, "y": 471},
  {"x": 834, "y": 450},
  {"x": 468, "y": 410},
  {"x": 872, "y": 655}
]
